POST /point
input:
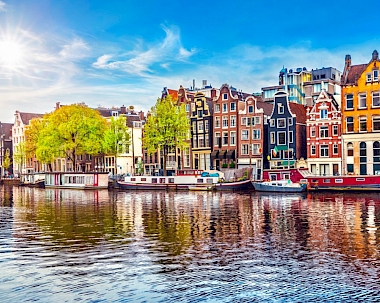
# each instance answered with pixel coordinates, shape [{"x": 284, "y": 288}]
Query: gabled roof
[
  {"x": 6, "y": 129},
  {"x": 299, "y": 110},
  {"x": 354, "y": 73},
  {"x": 265, "y": 106},
  {"x": 26, "y": 117}
]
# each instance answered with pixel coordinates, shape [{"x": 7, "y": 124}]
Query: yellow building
[{"x": 361, "y": 117}]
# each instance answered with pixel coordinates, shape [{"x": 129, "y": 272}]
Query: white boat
[
  {"x": 281, "y": 186},
  {"x": 184, "y": 179},
  {"x": 76, "y": 180}
]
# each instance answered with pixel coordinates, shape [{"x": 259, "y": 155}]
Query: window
[
  {"x": 281, "y": 138},
  {"x": 350, "y": 124},
  {"x": 324, "y": 149},
  {"x": 225, "y": 96},
  {"x": 349, "y": 101},
  {"x": 376, "y": 152},
  {"x": 244, "y": 149},
  {"x": 233, "y": 106},
  {"x": 350, "y": 149},
  {"x": 375, "y": 99},
  {"x": 206, "y": 125},
  {"x": 250, "y": 109},
  {"x": 225, "y": 138},
  {"x": 225, "y": 121},
  {"x": 290, "y": 121},
  {"x": 217, "y": 108},
  {"x": 272, "y": 138},
  {"x": 244, "y": 121},
  {"x": 335, "y": 130},
  {"x": 195, "y": 142},
  {"x": 312, "y": 131},
  {"x": 200, "y": 125},
  {"x": 233, "y": 121},
  {"x": 257, "y": 120},
  {"x": 207, "y": 140},
  {"x": 200, "y": 113},
  {"x": 256, "y": 134},
  {"x": 281, "y": 123},
  {"x": 250, "y": 120},
  {"x": 256, "y": 149},
  {"x": 323, "y": 114},
  {"x": 362, "y": 100},
  {"x": 313, "y": 150},
  {"x": 225, "y": 107},
  {"x": 217, "y": 139},
  {"x": 369, "y": 77},
  {"x": 217, "y": 121},
  {"x": 194, "y": 126},
  {"x": 244, "y": 134},
  {"x": 187, "y": 106},
  {"x": 290, "y": 137},
  {"x": 324, "y": 132},
  {"x": 201, "y": 141},
  {"x": 362, "y": 124},
  {"x": 271, "y": 123},
  {"x": 232, "y": 138},
  {"x": 376, "y": 123},
  {"x": 280, "y": 108},
  {"x": 375, "y": 75},
  {"x": 335, "y": 149}
]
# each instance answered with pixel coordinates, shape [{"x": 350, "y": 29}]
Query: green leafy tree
[
  {"x": 19, "y": 155},
  {"x": 167, "y": 127},
  {"x": 116, "y": 137},
  {"x": 7, "y": 160},
  {"x": 70, "y": 131}
]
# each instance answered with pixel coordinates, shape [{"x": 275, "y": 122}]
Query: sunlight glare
[{"x": 10, "y": 53}]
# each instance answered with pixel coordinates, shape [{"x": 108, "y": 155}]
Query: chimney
[
  {"x": 375, "y": 55},
  {"x": 348, "y": 61},
  {"x": 123, "y": 110}
]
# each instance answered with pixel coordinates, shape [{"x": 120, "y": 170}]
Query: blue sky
[{"x": 113, "y": 53}]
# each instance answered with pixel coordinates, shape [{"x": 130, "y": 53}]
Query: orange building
[{"x": 361, "y": 117}]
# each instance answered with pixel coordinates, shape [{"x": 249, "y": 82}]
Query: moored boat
[
  {"x": 33, "y": 179},
  {"x": 236, "y": 185},
  {"x": 345, "y": 183},
  {"x": 181, "y": 181},
  {"x": 202, "y": 187},
  {"x": 280, "y": 186},
  {"x": 76, "y": 180}
]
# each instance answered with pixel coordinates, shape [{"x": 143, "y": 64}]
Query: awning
[
  {"x": 281, "y": 147},
  {"x": 214, "y": 154},
  {"x": 283, "y": 163},
  {"x": 230, "y": 154},
  {"x": 222, "y": 154}
]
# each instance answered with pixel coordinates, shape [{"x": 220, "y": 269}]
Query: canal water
[{"x": 158, "y": 246}]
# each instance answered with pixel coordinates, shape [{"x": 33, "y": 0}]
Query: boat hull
[
  {"x": 238, "y": 185},
  {"x": 262, "y": 186},
  {"x": 345, "y": 183}
]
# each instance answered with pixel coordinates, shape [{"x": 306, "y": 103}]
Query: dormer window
[{"x": 115, "y": 114}]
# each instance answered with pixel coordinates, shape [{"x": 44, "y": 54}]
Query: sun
[{"x": 11, "y": 53}]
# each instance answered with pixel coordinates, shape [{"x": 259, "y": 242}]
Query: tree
[
  {"x": 69, "y": 131},
  {"x": 167, "y": 127},
  {"x": 19, "y": 155},
  {"x": 7, "y": 160},
  {"x": 116, "y": 137}
]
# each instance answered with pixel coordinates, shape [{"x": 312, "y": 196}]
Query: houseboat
[
  {"x": 345, "y": 183},
  {"x": 234, "y": 185},
  {"x": 182, "y": 180},
  {"x": 33, "y": 179},
  {"x": 76, "y": 180}
]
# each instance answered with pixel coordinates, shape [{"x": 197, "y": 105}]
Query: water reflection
[{"x": 191, "y": 246}]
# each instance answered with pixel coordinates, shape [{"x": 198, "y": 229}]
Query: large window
[
  {"x": 324, "y": 132},
  {"x": 362, "y": 100},
  {"x": 363, "y": 124},
  {"x": 375, "y": 75},
  {"x": 349, "y": 101},
  {"x": 232, "y": 138},
  {"x": 217, "y": 121},
  {"x": 281, "y": 138},
  {"x": 201, "y": 141},
  {"x": 255, "y": 149},
  {"x": 225, "y": 107},
  {"x": 350, "y": 149},
  {"x": 244, "y": 134},
  {"x": 233, "y": 121},
  {"x": 244, "y": 149},
  {"x": 225, "y": 138},
  {"x": 335, "y": 130},
  {"x": 200, "y": 125},
  {"x": 233, "y": 106},
  {"x": 375, "y": 99},
  {"x": 376, "y": 123},
  {"x": 217, "y": 139},
  {"x": 350, "y": 124},
  {"x": 225, "y": 121},
  {"x": 324, "y": 150},
  {"x": 281, "y": 123},
  {"x": 217, "y": 108},
  {"x": 256, "y": 134}
]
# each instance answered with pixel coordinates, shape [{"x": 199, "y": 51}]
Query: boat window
[
  {"x": 360, "y": 179},
  {"x": 209, "y": 180},
  {"x": 338, "y": 180},
  {"x": 133, "y": 179},
  {"x": 326, "y": 180},
  {"x": 171, "y": 180},
  {"x": 162, "y": 180},
  {"x": 154, "y": 180},
  {"x": 143, "y": 179},
  {"x": 199, "y": 180}
]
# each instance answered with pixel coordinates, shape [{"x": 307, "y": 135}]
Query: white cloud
[
  {"x": 2, "y": 6},
  {"x": 76, "y": 49},
  {"x": 141, "y": 61}
]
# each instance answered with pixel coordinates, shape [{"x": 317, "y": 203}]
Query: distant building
[{"x": 6, "y": 147}]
